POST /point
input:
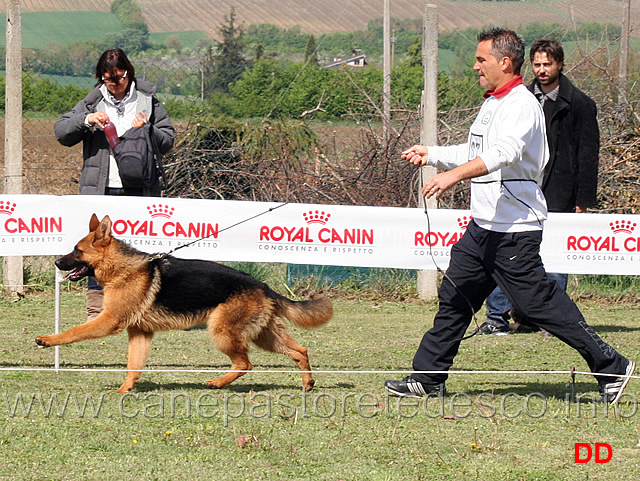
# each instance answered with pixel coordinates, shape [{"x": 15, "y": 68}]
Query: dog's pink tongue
[{"x": 74, "y": 274}]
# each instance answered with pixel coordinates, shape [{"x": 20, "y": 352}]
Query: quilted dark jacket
[{"x": 71, "y": 129}]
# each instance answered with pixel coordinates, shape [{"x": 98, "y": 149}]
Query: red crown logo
[
  {"x": 463, "y": 222},
  {"x": 160, "y": 210},
  {"x": 625, "y": 226},
  {"x": 316, "y": 217},
  {"x": 7, "y": 207}
]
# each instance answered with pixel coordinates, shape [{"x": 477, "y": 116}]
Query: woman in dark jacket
[{"x": 128, "y": 103}]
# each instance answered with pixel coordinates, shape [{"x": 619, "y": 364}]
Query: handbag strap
[
  {"x": 158, "y": 159},
  {"x": 156, "y": 151}
]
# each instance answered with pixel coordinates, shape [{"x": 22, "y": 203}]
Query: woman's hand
[
  {"x": 140, "y": 120},
  {"x": 98, "y": 118}
]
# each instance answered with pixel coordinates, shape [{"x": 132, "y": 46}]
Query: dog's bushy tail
[{"x": 306, "y": 314}]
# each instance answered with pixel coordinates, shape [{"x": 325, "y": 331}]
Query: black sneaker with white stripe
[
  {"x": 611, "y": 389},
  {"x": 490, "y": 329},
  {"x": 409, "y": 387}
]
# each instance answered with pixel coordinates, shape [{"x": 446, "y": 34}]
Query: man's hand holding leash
[{"x": 438, "y": 184}]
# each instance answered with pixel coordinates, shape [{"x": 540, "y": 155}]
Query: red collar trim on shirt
[{"x": 505, "y": 89}]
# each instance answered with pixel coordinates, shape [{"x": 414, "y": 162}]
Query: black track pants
[{"x": 479, "y": 261}]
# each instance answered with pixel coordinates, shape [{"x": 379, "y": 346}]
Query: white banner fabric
[{"x": 361, "y": 236}]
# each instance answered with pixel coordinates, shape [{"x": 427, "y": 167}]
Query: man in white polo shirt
[{"x": 504, "y": 158}]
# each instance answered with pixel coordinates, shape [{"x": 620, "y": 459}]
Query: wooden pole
[
  {"x": 624, "y": 53},
  {"x": 13, "y": 276},
  {"x": 386, "y": 95},
  {"x": 428, "y": 279}
]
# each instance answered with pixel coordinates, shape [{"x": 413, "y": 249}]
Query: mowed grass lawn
[{"x": 492, "y": 426}]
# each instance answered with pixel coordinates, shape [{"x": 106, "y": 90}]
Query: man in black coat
[{"x": 571, "y": 175}]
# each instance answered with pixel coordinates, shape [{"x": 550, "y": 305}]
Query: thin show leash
[
  {"x": 444, "y": 274},
  {"x": 163, "y": 255}
]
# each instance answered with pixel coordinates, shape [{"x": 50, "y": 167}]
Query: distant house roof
[{"x": 355, "y": 61}]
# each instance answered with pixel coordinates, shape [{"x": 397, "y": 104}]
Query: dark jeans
[
  {"x": 498, "y": 306},
  {"x": 483, "y": 259}
]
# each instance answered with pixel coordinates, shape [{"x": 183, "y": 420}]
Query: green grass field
[
  {"x": 492, "y": 426},
  {"x": 188, "y": 39},
  {"x": 40, "y": 29}
]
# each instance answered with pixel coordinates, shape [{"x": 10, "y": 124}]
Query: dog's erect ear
[
  {"x": 103, "y": 232},
  {"x": 93, "y": 223}
]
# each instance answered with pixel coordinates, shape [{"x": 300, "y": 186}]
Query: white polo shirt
[{"x": 509, "y": 136}]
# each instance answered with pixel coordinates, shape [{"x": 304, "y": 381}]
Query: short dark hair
[
  {"x": 111, "y": 60},
  {"x": 505, "y": 43},
  {"x": 552, "y": 48}
]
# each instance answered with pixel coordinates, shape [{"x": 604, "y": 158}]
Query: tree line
[
  {"x": 231, "y": 82},
  {"x": 263, "y": 71}
]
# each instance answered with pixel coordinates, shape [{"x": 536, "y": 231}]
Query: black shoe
[
  {"x": 491, "y": 329},
  {"x": 611, "y": 391},
  {"x": 409, "y": 387}
]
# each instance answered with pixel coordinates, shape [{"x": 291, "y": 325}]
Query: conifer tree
[
  {"x": 226, "y": 65},
  {"x": 310, "y": 53}
]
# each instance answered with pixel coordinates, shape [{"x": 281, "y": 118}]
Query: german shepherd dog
[{"x": 145, "y": 294}]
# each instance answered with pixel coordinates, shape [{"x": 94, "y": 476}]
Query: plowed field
[{"x": 323, "y": 16}]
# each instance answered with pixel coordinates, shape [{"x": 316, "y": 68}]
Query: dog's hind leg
[
  {"x": 139, "y": 347},
  {"x": 226, "y": 323},
  {"x": 239, "y": 362},
  {"x": 278, "y": 340},
  {"x": 300, "y": 356}
]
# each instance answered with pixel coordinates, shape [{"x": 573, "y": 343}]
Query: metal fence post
[{"x": 56, "y": 329}]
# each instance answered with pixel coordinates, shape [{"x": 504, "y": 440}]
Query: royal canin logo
[
  {"x": 463, "y": 222},
  {"x": 310, "y": 234},
  {"x": 616, "y": 243},
  {"x": 156, "y": 227},
  {"x": 7, "y": 207},
  {"x": 442, "y": 239},
  {"x": 316, "y": 217},
  {"x": 27, "y": 225},
  {"x": 160, "y": 210},
  {"x": 625, "y": 226}
]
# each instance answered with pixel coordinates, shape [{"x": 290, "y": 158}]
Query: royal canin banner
[{"x": 302, "y": 233}]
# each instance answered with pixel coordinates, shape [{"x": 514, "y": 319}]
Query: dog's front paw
[
  {"x": 122, "y": 390},
  {"x": 213, "y": 385},
  {"x": 43, "y": 341}
]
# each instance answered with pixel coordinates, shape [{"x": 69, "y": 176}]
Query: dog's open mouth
[{"x": 78, "y": 273}]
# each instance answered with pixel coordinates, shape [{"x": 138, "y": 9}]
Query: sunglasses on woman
[{"x": 116, "y": 79}]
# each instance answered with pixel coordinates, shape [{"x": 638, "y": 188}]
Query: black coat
[{"x": 571, "y": 175}]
